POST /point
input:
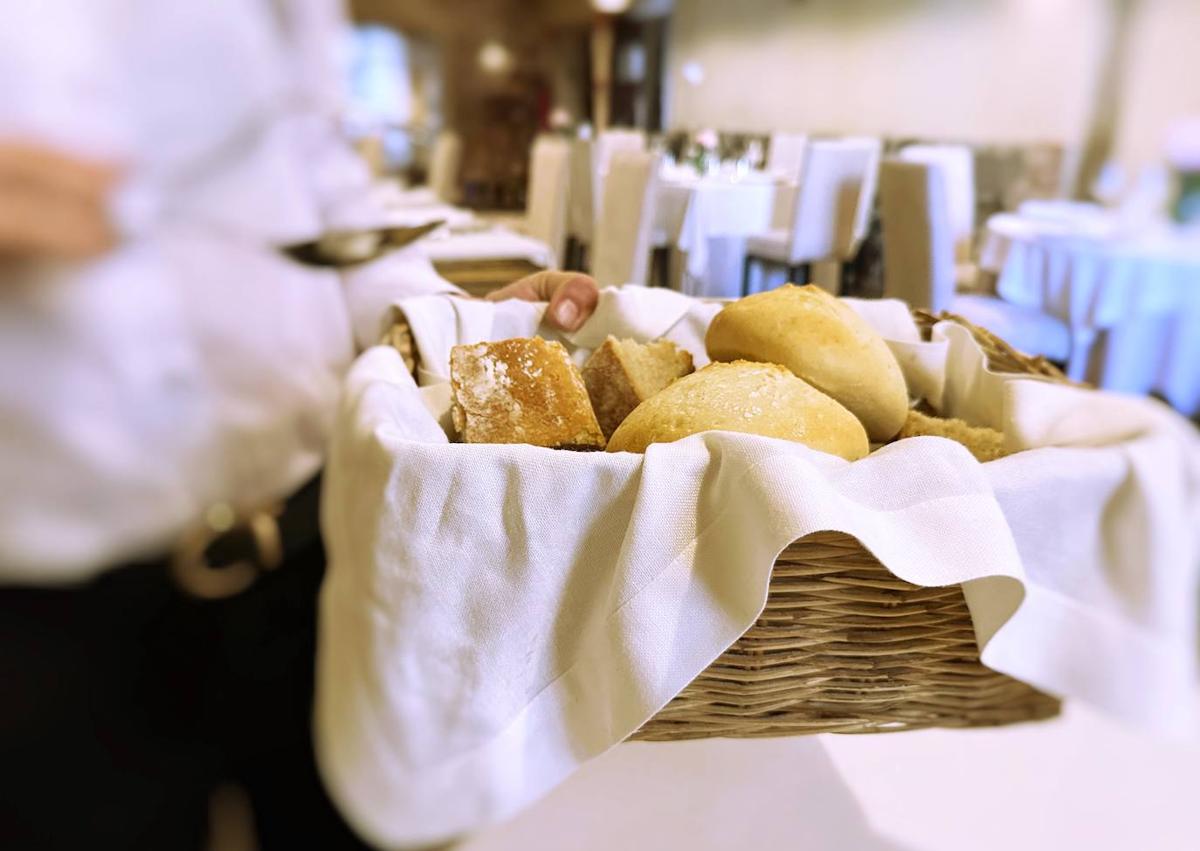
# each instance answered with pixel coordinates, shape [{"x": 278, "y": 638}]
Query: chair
[
  {"x": 545, "y": 215},
  {"x": 546, "y": 202},
  {"x": 607, "y": 144},
  {"x": 589, "y": 164},
  {"x": 829, "y": 217},
  {"x": 870, "y": 188},
  {"x": 785, "y": 156},
  {"x": 919, "y": 268},
  {"x": 958, "y": 168},
  {"x": 581, "y": 200},
  {"x": 444, "y": 164},
  {"x": 622, "y": 245}
]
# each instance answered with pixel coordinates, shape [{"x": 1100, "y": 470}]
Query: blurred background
[
  {"x": 1031, "y": 80},
  {"x": 1038, "y": 161}
]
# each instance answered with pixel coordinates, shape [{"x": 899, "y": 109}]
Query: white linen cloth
[
  {"x": 494, "y": 616},
  {"x": 362, "y": 211},
  {"x": 1130, "y": 297},
  {"x": 193, "y": 363},
  {"x": 689, "y": 212},
  {"x": 496, "y": 243}
]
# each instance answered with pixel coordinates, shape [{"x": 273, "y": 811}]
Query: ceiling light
[
  {"x": 611, "y": 7},
  {"x": 495, "y": 58}
]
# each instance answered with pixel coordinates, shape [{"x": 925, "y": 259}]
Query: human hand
[
  {"x": 572, "y": 295},
  {"x": 52, "y": 205}
]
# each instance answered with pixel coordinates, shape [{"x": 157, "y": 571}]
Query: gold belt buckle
[{"x": 189, "y": 564}]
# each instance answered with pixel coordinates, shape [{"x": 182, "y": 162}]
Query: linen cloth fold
[{"x": 494, "y": 616}]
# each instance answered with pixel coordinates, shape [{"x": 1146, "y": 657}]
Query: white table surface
[
  {"x": 1130, "y": 295},
  {"x": 1077, "y": 782},
  {"x": 466, "y": 237},
  {"x": 693, "y": 214},
  {"x": 494, "y": 243},
  {"x": 454, "y": 217}
]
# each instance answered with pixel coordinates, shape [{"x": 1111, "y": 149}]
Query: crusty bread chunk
[
  {"x": 755, "y": 398},
  {"x": 824, "y": 342},
  {"x": 521, "y": 391},
  {"x": 622, "y": 374},
  {"x": 986, "y": 444}
]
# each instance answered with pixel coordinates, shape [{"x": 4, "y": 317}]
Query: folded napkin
[{"x": 494, "y": 616}]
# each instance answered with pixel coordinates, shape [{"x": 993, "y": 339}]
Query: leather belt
[{"x": 232, "y": 547}]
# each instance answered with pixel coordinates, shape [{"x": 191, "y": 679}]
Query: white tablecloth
[
  {"x": 1131, "y": 297},
  {"x": 693, "y": 213},
  {"x": 492, "y": 244}
]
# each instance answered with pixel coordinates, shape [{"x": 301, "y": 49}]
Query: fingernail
[{"x": 566, "y": 314}]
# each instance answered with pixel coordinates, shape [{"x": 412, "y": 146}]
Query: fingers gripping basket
[{"x": 843, "y": 646}]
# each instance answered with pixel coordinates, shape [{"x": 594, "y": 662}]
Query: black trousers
[{"x": 123, "y": 704}]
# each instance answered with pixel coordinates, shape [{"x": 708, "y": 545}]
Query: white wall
[
  {"x": 983, "y": 70},
  {"x": 1164, "y": 75}
]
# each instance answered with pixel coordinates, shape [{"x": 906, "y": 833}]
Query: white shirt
[{"x": 193, "y": 364}]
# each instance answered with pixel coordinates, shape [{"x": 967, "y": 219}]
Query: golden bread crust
[
  {"x": 823, "y": 342},
  {"x": 521, "y": 391},
  {"x": 754, "y": 398}
]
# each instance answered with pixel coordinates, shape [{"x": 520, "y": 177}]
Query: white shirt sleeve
[
  {"x": 372, "y": 290},
  {"x": 341, "y": 180}
]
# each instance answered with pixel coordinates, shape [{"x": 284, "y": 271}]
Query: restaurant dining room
[{"x": 681, "y": 425}]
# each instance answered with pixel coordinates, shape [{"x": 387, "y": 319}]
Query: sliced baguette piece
[
  {"x": 754, "y": 398},
  {"x": 621, "y": 374},
  {"x": 521, "y": 391}
]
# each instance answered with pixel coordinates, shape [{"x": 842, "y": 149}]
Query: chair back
[
  {"x": 621, "y": 253},
  {"x": 918, "y": 240},
  {"x": 546, "y": 197},
  {"x": 957, "y": 163},
  {"x": 444, "y": 164},
  {"x": 581, "y": 191},
  {"x": 785, "y": 156},
  {"x": 870, "y": 189},
  {"x": 608, "y": 143},
  {"x": 832, "y": 180}
]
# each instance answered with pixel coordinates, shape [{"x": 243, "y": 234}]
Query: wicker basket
[{"x": 843, "y": 646}]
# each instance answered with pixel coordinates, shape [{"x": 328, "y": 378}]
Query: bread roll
[
  {"x": 521, "y": 391},
  {"x": 622, "y": 374},
  {"x": 755, "y": 398},
  {"x": 822, "y": 341},
  {"x": 986, "y": 444}
]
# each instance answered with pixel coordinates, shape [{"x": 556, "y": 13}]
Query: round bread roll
[
  {"x": 755, "y": 398},
  {"x": 822, "y": 341}
]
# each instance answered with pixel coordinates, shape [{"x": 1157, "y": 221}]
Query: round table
[
  {"x": 708, "y": 219},
  {"x": 1129, "y": 294}
]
